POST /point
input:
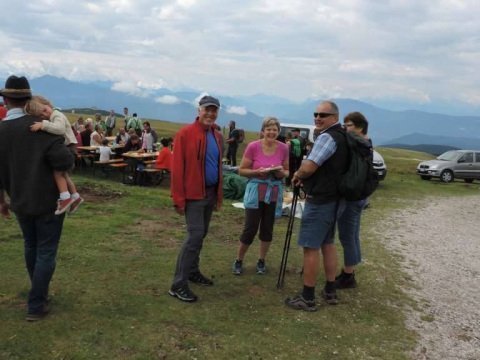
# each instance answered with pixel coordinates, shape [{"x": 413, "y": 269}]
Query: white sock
[
  {"x": 64, "y": 195},
  {"x": 75, "y": 196}
]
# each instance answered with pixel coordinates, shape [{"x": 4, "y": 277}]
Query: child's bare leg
[
  {"x": 73, "y": 190},
  {"x": 71, "y": 186},
  {"x": 65, "y": 201},
  {"x": 62, "y": 184}
]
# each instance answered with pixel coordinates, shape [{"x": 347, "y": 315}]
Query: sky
[{"x": 417, "y": 52}]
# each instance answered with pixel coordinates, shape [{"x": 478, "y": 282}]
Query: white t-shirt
[{"x": 105, "y": 153}]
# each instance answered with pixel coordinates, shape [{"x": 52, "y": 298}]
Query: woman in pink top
[{"x": 265, "y": 163}]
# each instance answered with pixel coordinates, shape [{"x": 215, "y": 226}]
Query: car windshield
[{"x": 448, "y": 156}]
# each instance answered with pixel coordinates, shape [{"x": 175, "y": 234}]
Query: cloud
[
  {"x": 168, "y": 100},
  {"x": 125, "y": 86},
  {"x": 238, "y": 110},
  {"x": 139, "y": 88},
  {"x": 415, "y": 51}
]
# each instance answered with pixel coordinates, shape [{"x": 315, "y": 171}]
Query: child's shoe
[
  {"x": 75, "y": 204},
  {"x": 63, "y": 205}
]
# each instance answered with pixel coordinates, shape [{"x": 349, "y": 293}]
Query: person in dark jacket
[
  {"x": 319, "y": 174},
  {"x": 232, "y": 141},
  {"x": 26, "y": 163},
  {"x": 86, "y": 134},
  {"x": 349, "y": 222},
  {"x": 196, "y": 187}
]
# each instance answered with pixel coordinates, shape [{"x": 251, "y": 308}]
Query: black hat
[
  {"x": 208, "y": 101},
  {"x": 16, "y": 88}
]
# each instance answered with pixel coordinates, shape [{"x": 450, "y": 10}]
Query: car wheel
[
  {"x": 468, "y": 181},
  {"x": 425, "y": 177},
  {"x": 446, "y": 176}
]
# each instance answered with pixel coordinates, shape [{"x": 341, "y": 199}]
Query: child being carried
[{"x": 54, "y": 122}]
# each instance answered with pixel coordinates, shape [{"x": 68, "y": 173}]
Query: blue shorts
[{"x": 318, "y": 224}]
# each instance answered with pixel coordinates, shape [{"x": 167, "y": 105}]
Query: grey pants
[{"x": 197, "y": 215}]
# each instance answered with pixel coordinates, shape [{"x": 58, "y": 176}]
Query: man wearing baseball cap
[
  {"x": 196, "y": 187},
  {"x": 26, "y": 162}
]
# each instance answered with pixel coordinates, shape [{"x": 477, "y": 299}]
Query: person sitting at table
[
  {"x": 164, "y": 158},
  {"x": 86, "y": 134},
  {"x": 79, "y": 125},
  {"x": 122, "y": 137},
  {"x": 132, "y": 144},
  {"x": 131, "y": 132},
  {"x": 97, "y": 136},
  {"x": 104, "y": 151}
]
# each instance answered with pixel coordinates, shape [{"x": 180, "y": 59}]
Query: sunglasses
[{"x": 321, "y": 115}]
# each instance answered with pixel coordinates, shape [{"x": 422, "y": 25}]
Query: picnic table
[
  {"x": 138, "y": 162},
  {"x": 87, "y": 148},
  {"x": 140, "y": 155}
]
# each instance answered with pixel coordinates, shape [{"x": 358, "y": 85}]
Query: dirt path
[{"x": 440, "y": 242}]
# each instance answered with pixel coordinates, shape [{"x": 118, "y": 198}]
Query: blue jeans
[
  {"x": 197, "y": 215},
  {"x": 41, "y": 236},
  {"x": 349, "y": 232}
]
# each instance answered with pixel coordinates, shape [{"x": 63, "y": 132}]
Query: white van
[{"x": 306, "y": 131}]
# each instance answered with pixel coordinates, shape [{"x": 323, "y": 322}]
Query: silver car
[{"x": 460, "y": 164}]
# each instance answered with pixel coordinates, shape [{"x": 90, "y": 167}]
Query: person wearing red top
[
  {"x": 196, "y": 188},
  {"x": 3, "y": 111},
  {"x": 164, "y": 158}
]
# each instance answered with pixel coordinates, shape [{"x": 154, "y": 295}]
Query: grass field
[{"x": 116, "y": 262}]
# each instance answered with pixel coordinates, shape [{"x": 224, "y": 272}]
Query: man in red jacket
[{"x": 196, "y": 187}]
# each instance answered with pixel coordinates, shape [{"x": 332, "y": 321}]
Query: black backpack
[
  {"x": 360, "y": 180},
  {"x": 241, "y": 135}
]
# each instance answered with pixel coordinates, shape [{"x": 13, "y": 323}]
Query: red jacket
[
  {"x": 3, "y": 112},
  {"x": 164, "y": 159},
  {"x": 187, "y": 178}
]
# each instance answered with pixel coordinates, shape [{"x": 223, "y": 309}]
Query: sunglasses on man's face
[{"x": 321, "y": 115}]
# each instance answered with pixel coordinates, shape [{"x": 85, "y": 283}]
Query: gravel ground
[{"x": 439, "y": 243}]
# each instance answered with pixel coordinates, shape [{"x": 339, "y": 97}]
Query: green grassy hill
[{"x": 116, "y": 262}]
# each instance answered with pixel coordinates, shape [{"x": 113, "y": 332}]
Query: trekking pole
[{"x": 288, "y": 237}]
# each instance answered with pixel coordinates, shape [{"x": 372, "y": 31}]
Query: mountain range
[{"x": 408, "y": 127}]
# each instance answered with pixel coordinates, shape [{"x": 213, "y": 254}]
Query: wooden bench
[
  {"x": 83, "y": 157},
  {"x": 155, "y": 175},
  {"x": 121, "y": 166},
  {"x": 104, "y": 164}
]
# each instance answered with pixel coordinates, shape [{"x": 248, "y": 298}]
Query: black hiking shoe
[
  {"x": 300, "y": 303},
  {"x": 330, "y": 297},
  {"x": 199, "y": 279},
  {"x": 39, "y": 315},
  {"x": 183, "y": 293},
  {"x": 237, "y": 267},
  {"x": 261, "y": 268},
  {"x": 345, "y": 281}
]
